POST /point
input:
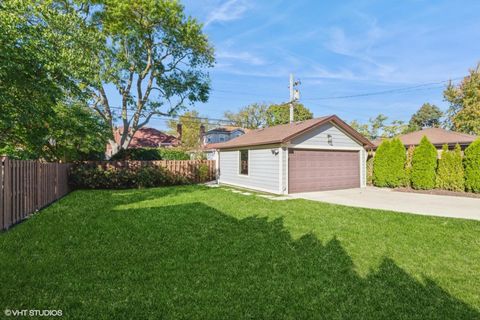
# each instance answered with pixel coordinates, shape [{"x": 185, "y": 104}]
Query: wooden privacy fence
[
  {"x": 185, "y": 168},
  {"x": 27, "y": 186}
]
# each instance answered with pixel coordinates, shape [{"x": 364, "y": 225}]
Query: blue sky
[{"x": 337, "y": 48}]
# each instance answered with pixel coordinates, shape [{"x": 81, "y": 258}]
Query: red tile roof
[
  {"x": 437, "y": 136},
  {"x": 286, "y": 132},
  {"x": 149, "y": 138}
]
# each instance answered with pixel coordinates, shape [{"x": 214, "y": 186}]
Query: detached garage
[{"x": 313, "y": 155}]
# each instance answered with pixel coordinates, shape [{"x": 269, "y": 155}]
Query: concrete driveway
[{"x": 387, "y": 199}]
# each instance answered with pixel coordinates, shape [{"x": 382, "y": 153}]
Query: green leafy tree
[
  {"x": 77, "y": 133},
  {"x": 191, "y": 123},
  {"x": 253, "y": 116},
  {"x": 450, "y": 173},
  {"x": 361, "y": 128},
  {"x": 41, "y": 65},
  {"x": 424, "y": 164},
  {"x": 280, "y": 114},
  {"x": 155, "y": 56},
  {"x": 428, "y": 116},
  {"x": 471, "y": 162},
  {"x": 395, "y": 128},
  {"x": 376, "y": 126},
  {"x": 464, "y": 112}
]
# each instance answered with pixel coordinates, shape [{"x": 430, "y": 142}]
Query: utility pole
[{"x": 294, "y": 95}]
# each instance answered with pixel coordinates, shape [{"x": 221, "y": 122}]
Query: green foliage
[
  {"x": 43, "y": 63},
  {"x": 253, "y": 116},
  {"x": 471, "y": 162},
  {"x": 428, "y": 116},
  {"x": 97, "y": 177},
  {"x": 156, "y": 57},
  {"x": 408, "y": 165},
  {"x": 389, "y": 164},
  {"x": 464, "y": 99},
  {"x": 381, "y": 164},
  {"x": 370, "y": 170},
  {"x": 424, "y": 164},
  {"x": 146, "y": 154},
  {"x": 191, "y": 123},
  {"x": 450, "y": 175},
  {"x": 203, "y": 172},
  {"x": 280, "y": 114},
  {"x": 378, "y": 128}
]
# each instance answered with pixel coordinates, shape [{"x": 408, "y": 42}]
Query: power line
[{"x": 424, "y": 86}]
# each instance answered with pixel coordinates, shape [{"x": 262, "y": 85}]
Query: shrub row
[
  {"x": 420, "y": 169},
  {"x": 147, "y": 154},
  {"x": 97, "y": 177}
]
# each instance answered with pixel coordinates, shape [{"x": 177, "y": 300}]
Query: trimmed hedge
[
  {"x": 408, "y": 165},
  {"x": 146, "y": 154},
  {"x": 370, "y": 170},
  {"x": 85, "y": 177},
  {"x": 471, "y": 162},
  {"x": 424, "y": 164},
  {"x": 389, "y": 164},
  {"x": 450, "y": 175}
]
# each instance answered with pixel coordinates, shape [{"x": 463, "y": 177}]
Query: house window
[{"x": 244, "y": 162}]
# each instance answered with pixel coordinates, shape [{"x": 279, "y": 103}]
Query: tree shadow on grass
[
  {"x": 192, "y": 261},
  {"x": 195, "y": 262}
]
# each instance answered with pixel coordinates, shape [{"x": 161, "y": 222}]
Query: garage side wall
[{"x": 263, "y": 169}]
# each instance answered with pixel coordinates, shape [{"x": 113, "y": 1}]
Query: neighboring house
[
  {"x": 147, "y": 138},
  {"x": 223, "y": 134},
  {"x": 219, "y": 135},
  {"x": 437, "y": 136},
  {"x": 318, "y": 154}
]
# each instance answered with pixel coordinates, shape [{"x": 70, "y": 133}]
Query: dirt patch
[{"x": 440, "y": 192}]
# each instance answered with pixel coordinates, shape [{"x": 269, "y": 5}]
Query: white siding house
[{"x": 313, "y": 155}]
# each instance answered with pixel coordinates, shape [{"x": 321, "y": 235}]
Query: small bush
[
  {"x": 147, "y": 154},
  {"x": 424, "y": 164},
  {"x": 408, "y": 166},
  {"x": 471, "y": 163},
  {"x": 381, "y": 165},
  {"x": 389, "y": 164},
  {"x": 203, "y": 172},
  {"x": 450, "y": 175},
  {"x": 87, "y": 177},
  {"x": 370, "y": 170}
]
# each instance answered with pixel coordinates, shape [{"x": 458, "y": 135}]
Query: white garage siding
[
  {"x": 319, "y": 137},
  {"x": 263, "y": 169}
]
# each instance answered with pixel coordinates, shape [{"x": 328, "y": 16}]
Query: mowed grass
[{"x": 206, "y": 253}]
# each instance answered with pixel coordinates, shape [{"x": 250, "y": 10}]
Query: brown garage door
[{"x": 316, "y": 170}]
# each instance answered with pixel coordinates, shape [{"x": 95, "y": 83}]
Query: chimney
[
  {"x": 202, "y": 134},
  {"x": 179, "y": 131}
]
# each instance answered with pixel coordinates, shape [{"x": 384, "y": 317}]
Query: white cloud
[
  {"x": 242, "y": 56},
  {"x": 228, "y": 11}
]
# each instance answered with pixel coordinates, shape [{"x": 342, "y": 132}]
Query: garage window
[{"x": 244, "y": 162}]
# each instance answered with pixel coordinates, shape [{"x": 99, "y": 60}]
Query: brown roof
[
  {"x": 286, "y": 132},
  {"x": 437, "y": 136},
  {"x": 149, "y": 138}
]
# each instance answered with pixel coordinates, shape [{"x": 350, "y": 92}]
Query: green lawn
[{"x": 195, "y": 252}]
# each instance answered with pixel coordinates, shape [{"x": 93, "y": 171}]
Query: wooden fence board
[{"x": 28, "y": 186}]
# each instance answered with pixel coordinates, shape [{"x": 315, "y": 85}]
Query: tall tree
[
  {"x": 361, "y": 128},
  {"x": 252, "y": 116},
  {"x": 41, "y": 65},
  {"x": 378, "y": 128},
  {"x": 464, "y": 112},
  {"x": 280, "y": 113},
  {"x": 191, "y": 123},
  {"x": 428, "y": 116},
  {"x": 155, "y": 56}
]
